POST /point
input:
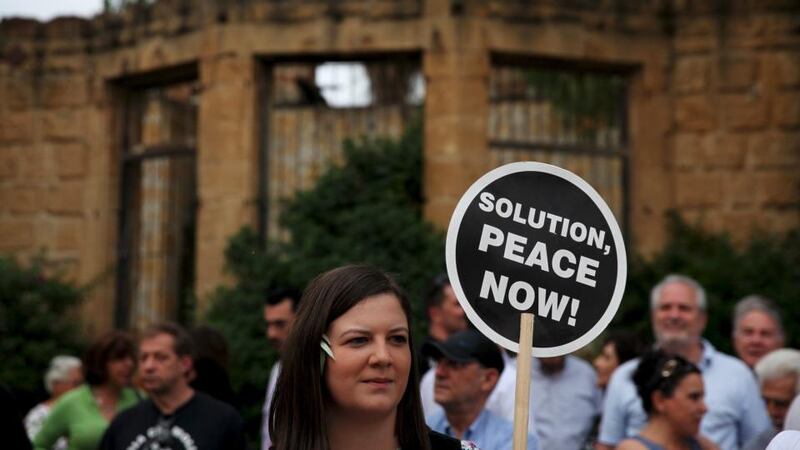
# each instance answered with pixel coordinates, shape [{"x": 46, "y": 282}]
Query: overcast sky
[{"x": 47, "y": 9}]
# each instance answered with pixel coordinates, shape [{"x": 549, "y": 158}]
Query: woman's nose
[{"x": 380, "y": 354}]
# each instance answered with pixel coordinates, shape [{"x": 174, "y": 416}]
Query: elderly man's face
[
  {"x": 677, "y": 318},
  {"x": 778, "y": 394},
  {"x": 755, "y": 335}
]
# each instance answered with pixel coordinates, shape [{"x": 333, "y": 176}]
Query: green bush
[
  {"x": 34, "y": 324},
  {"x": 368, "y": 210},
  {"x": 769, "y": 265}
]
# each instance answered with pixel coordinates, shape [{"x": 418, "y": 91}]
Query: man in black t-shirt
[{"x": 175, "y": 416}]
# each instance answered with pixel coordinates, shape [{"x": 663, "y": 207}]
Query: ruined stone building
[{"x": 134, "y": 144}]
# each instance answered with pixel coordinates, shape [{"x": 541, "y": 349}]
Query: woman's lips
[{"x": 378, "y": 381}]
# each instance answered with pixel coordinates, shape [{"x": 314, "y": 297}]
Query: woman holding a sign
[
  {"x": 349, "y": 378},
  {"x": 671, "y": 389}
]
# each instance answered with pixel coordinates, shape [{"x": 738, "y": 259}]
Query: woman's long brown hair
[{"x": 297, "y": 414}]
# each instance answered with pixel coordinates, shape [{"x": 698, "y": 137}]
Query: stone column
[
  {"x": 456, "y": 66},
  {"x": 227, "y": 162}
]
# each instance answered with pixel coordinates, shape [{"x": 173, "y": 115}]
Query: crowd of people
[{"x": 349, "y": 377}]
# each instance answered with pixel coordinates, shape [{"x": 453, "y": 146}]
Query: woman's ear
[{"x": 659, "y": 401}]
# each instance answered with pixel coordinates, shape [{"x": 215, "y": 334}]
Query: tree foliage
[
  {"x": 35, "y": 324},
  {"x": 367, "y": 210},
  {"x": 768, "y": 265}
]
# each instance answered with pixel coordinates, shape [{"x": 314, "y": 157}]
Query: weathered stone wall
[
  {"x": 736, "y": 120},
  {"x": 714, "y": 108}
]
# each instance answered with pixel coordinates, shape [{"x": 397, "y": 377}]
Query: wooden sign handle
[{"x": 523, "y": 389}]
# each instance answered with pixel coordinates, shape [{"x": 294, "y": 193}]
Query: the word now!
[{"x": 522, "y": 296}]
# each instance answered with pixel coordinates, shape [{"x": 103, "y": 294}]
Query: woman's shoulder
[
  {"x": 441, "y": 441},
  {"x": 703, "y": 443},
  {"x": 632, "y": 444},
  {"x": 77, "y": 397}
]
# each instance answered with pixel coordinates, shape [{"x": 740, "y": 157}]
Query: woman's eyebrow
[{"x": 354, "y": 330}]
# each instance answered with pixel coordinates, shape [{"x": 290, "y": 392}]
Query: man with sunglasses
[
  {"x": 175, "y": 416},
  {"x": 736, "y": 412}
]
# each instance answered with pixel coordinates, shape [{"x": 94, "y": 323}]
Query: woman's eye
[
  {"x": 357, "y": 341},
  {"x": 399, "y": 339}
]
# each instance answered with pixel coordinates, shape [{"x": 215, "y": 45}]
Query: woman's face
[
  {"x": 373, "y": 358},
  {"x": 685, "y": 408},
  {"x": 120, "y": 371},
  {"x": 605, "y": 363}
]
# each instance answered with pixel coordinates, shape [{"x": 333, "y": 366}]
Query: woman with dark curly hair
[
  {"x": 671, "y": 390},
  {"x": 83, "y": 414},
  {"x": 349, "y": 378}
]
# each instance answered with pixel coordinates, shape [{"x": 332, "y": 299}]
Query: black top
[
  {"x": 438, "y": 441},
  {"x": 11, "y": 427},
  {"x": 201, "y": 423},
  {"x": 441, "y": 441}
]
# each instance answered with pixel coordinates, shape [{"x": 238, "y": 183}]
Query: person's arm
[
  {"x": 706, "y": 444},
  {"x": 55, "y": 426},
  {"x": 33, "y": 421},
  {"x": 792, "y": 421},
  {"x": 612, "y": 421},
  {"x": 630, "y": 444},
  {"x": 753, "y": 417}
]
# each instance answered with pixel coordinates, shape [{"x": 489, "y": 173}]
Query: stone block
[
  {"x": 438, "y": 211},
  {"x": 16, "y": 126},
  {"x": 691, "y": 74},
  {"x": 455, "y": 137},
  {"x": 694, "y": 113},
  {"x": 16, "y": 234},
  {"x": 709, "y": 151},
  {"x": 68, "y": 234},
  {"x": 228, "y": 68},
  {"x": 71, "y": 160},
  {"x": 70, "y": 62},
  {"x": 18, "y": 93},
  {"x": 738, "y": 189},
  {"x": 447, "y": 63},
  {"x": 781, "y": 220},
  {"x": 778, "y": 189},
  {"x": 697, "y": 26},
  {"x": 689, "y": 150},
  {"x": 63, "y": 124},
  {"x": 740, "y": 224},
  {"x": 9, "y": 162},
  {"x": 783, "y": 68},
  {"x": 654, "y": 78},
  {"x": 730, "y": 150},
  {"x": 744, "y": 111},
  {"x": 774, "y": 150},
  {"x": 698, "y": 190},
  {"x": 64, "y": 91},
  {"x": 26, "y": 199},
  {"x": 65, "y": 199},
  {"x": 692, "y": 45},
  {"x": 457, "y": 95},
  {"x": 786, "y": 110},
  {"x": 737, "y": 71},
  {"x": 34, "y": 163}
]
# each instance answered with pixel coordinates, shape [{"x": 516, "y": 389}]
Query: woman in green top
[{"x": 83, "y": 414}]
